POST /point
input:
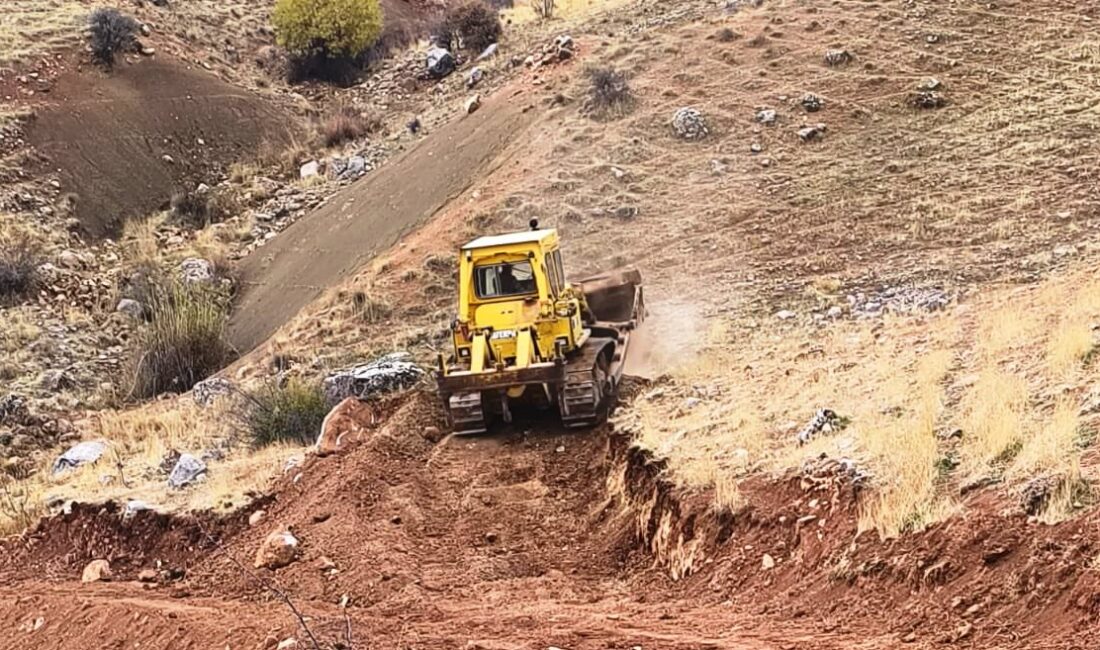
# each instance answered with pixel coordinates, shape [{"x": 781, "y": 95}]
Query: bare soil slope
[
  {"x": 323, "y": 249},
  {"x": 124, "y": 141}
]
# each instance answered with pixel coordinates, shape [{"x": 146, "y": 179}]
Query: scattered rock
[
  {"x": 350, "y": 419},
  {"x": 488, "y": 52},
  {"x": 68, "y": 259},
  {"x": 134, "y": 506},
  {"x": 196, "y": 271},
  {"x": 475, "y": 77},
  {"x": 440, "y": 63},
  {"x": 811, "y": 133},
  {"x": 812, "y": 103},
  {"x": 927, "y": 99},
  {"x": 432, "y": 434},
  {"x": 767, "y": 116},
  {"x": 277, "y": 551},
  {"x": 131, "y": 308},
  {"x": 837, "y": 57},
  {"x": 823, "y": 421},
  {"x": 188, "y": 470},
  {"x": 472, "y": 104},
  {"x": 207, "y": 391},
  {"x": 390, "y": 373},
  {"x": 96, "y": 571},
  {"x": 309, "y": 170},
  {"x": 81, "y": 454},
  {"x": 689, "y": 124}
]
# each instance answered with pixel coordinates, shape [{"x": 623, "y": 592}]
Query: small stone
[
  {"x": 837, "y": 57},
  {"x": 96, "y": 571},
  {"x": 131, "y": 308},
  {"x": 812, "y": 103},
  {"x": 472, "y": 104},
  {"x": 256, "y": 517},
  {"x": 188, "y": 470},
  {"x": 147, "y": 575},
  {"x": 309, "y": 170},
  {"x": 277, "y": 551},
  {"x": 148, "y": 51},
  {"x": 785, "y": 314},
  {"x": 767, "y": 562},
  {"x": 811, "y": 133},
  {"x": 560, "y": 449},
  {"x": 288, "y": 644},
  {"x": 475, "y": 77},
  {"x": 689, "y": 124},
  {"x": 766, "y": 116}
]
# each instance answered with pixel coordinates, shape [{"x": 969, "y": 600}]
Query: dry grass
[
  {"x": 31, "y": 27},
  {"x": 735, "y": 408},
  {"x": 140, "y": 439}
]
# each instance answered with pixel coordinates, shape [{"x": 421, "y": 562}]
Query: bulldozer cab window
[{"x": 503, "y": 280}]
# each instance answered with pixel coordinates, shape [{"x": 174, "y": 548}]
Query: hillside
[{"x": 862, "y": 412}]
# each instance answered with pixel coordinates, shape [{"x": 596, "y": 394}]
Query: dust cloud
[{"x": 671, "y": 336}]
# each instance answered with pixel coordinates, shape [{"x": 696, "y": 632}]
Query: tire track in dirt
[{"x": 326, "y": 246}]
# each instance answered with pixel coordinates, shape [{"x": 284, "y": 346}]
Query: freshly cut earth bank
[
  {"x": 122, "y": 142},
  {"x": 537, "y": 538},
  {"x": 327, "y": 246}
]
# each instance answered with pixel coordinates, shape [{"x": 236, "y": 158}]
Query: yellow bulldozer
[{"x": 524, "y": 334}]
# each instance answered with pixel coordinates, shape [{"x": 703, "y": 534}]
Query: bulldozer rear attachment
[{"x": 524, "y": 334}]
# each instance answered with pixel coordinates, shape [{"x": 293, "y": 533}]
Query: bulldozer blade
[{"x": 615, "y": 296}]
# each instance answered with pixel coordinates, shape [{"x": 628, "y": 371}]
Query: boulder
[
  {"x": 188, "y": 470},
  {"x": 387, "y": 374},
  {"x": 131, "y": 308},
  {"x": 207, "y": 391},
  {"x": 356, "y": 167},
  {"x": 278, "y": 550},
  {"x": 689, "y": 124},
  {"x": 349, "y": 420},
  {"x": 309, "y": 170},
  {"x": 194, "y": 270},
  {"x": 81, "y": 454},
  {"x": 440, "y": 63},
  {"x": 96, "y": 571}
]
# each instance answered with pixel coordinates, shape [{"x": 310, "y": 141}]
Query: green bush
[
  {"x": 111, "y": 32},
  {"x": 184, "y": 341},
  {"x": 473, "y": 24},
  {"x": 332, "y": 28},
  {"x": 292, "y": 412},
  {"x": 20, "y": 257}
]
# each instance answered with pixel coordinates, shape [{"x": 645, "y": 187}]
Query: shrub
[
  {"x": 20, "y": 257},
  {"x": 200, "y": 209},
  {"x": 609, "y": 92},
  {"x": 184, "y": 341},
  {"x": 332, "y": 28},
  {"x": 473, "y": 24},
  {"x": 292, "y": 412},
  {"x": 111, "y": 32},
  {"x": 347, "y": 124}
]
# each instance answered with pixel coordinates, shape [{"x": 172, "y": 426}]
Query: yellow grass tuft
[{"x": 994, "y": 422}]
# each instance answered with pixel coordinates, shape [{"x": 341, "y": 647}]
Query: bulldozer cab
[{"x": 512, "y": 288}]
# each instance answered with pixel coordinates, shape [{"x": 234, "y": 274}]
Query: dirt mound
[
  {"x": 59, "y": 547},
  {"x": 123, "y": 142}
]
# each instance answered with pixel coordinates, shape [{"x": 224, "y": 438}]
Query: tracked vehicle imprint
[{"x": 523, "y": 333}]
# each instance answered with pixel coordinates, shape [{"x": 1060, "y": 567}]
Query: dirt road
[{"x": 322, "y": 249}]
